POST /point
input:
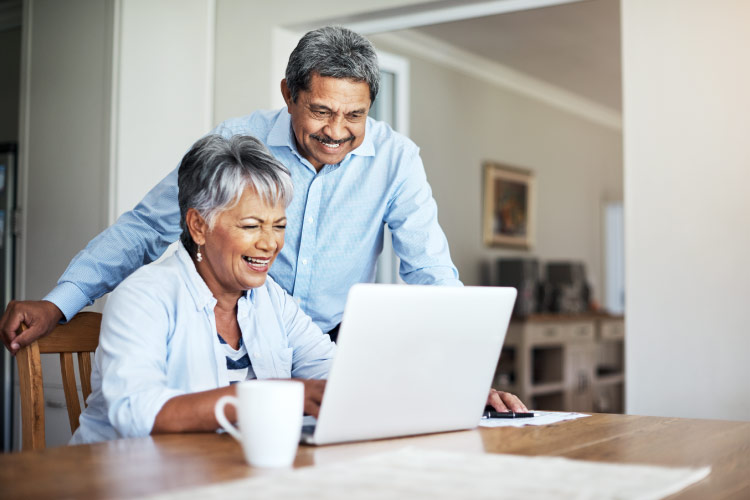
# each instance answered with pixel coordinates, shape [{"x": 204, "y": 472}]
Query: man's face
[{"x": 329, "y": 119}]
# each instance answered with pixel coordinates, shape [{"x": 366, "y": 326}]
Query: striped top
[{"x": 238, "y": 364}]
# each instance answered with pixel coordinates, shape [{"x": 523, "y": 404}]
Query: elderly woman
[{"x": 177, "y": 333}]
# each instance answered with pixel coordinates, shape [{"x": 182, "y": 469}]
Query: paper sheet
[
  {"x": 412, "y": 473},
  {"x": 539, "y": 418}
]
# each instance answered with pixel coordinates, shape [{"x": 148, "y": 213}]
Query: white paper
[
  {"x": 412, "y": 473},
  {"x": 539, "y": 418}
]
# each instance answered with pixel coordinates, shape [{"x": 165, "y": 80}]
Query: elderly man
[{"x": 351, "y": 175}]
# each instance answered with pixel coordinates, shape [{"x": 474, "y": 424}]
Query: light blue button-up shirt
[
  {"x": 334, "y": 224},
  {"x": 158, "y": 340}
]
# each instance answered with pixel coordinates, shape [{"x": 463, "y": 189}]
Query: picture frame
[{"x": 509, "y": 206}]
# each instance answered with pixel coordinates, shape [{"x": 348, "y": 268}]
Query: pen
[{"x": 506, "y": 414}]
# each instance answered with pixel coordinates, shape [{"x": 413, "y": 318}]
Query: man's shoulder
[{"x": 257, "y": 124}]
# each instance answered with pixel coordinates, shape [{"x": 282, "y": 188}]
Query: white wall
[
  {"x": 244, "y": 35},
  {"x": 116, "y": 92},
  {"x": 164, "y": 90},
  {"x": 460, "y": 121},
  {"x": 65, "y": 137},
  {"x": 687, "y": 172},
  {"x": 64, "y": 148}
]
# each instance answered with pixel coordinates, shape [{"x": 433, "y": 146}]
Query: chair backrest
[{"x": 81, "y": 336}]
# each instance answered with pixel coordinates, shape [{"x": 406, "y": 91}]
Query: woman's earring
[{"x": 198, "y": 256}]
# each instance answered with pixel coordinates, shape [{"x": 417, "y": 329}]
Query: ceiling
[{"x": 574, "y": 46}]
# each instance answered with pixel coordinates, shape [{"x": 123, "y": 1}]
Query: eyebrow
[
  {"x": 323, "y": 107},
  {"x": 282, "y": 219}
]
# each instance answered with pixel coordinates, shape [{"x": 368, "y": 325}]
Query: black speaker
[
  {"x": 523, "y": 275},
  {"x": 570, "y": 293}
]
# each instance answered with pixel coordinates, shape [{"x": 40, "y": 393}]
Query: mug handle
[{"x": 222, "y": 418}]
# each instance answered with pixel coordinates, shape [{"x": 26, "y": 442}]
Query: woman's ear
[{"x": 197, "y": 226}]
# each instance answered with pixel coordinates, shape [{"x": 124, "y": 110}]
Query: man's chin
[{"x": 330, "y": 158}]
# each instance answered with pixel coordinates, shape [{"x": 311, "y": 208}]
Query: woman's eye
[
  {"x": 251, "y": 226},
  {"x": 281, "y": 228}
]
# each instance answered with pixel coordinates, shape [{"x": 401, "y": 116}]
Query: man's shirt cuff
[{"x": 68, "y": 298}]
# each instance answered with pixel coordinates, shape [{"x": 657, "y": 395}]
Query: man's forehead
[{"x": 337, "y": 93}]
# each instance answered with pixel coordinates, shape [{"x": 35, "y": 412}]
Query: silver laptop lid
[{"x": 413, "y": 359}]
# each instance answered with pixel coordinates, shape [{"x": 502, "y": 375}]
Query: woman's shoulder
[
  {"x": 162, "y": 278},
  {"x": 271, "y": 290}
]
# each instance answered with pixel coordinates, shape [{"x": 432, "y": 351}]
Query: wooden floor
[{"x": 137, "y": 467}]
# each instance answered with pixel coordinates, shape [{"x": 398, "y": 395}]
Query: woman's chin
[{"x": 256, "y": 281}]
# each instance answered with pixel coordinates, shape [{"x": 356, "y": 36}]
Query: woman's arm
[{"x": 193, "y": 412}]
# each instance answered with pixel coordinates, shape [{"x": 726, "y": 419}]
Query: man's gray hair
[
  {"x": 216, "y": 171},
  {"x": 336, "y": 52}
]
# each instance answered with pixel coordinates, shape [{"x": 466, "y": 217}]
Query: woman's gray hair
[
  {"x": 336, "y": 52},
  {"x": 216, "y": 171}
]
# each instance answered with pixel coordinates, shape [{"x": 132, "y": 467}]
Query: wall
[
  {"x": 164, "y": 91},
  {"x": 463, "y": 121},
  {"x": 687, "y": 171},
  {"x": 117, "y": 91},
  {"x": 244, "y": 36},
  {"x": 64, "y": 148},
  {"x": 65, "y": 139},
  {"x": 10, "y": 62}
]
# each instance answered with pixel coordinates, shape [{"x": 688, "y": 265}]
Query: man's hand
[
  {"x": 313, "y": 395},
  {"x": 505, "y": 401},
  {"x": 40, "y": 316}
]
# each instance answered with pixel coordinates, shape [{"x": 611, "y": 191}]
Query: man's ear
[
  {"x": 287, "y": 94},
  {"x": 197, "y": 226}
]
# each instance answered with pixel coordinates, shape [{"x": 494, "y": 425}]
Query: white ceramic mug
[{"x": 269, "y": 413}]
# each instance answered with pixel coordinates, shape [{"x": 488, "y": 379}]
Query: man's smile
[{"x": 331, "y": 143}]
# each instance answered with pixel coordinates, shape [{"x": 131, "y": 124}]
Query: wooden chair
[{"x": 80, "y": 335}]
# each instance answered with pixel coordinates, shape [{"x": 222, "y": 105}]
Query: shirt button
[
  {"x": 309, "y": 219},
  {"x": 304, "y": 261},
  {"x": 256, "y": 355},
  {"x": 298, "y": 300}
]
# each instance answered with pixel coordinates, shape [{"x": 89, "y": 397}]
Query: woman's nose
[{"x": 267, "y": 241}]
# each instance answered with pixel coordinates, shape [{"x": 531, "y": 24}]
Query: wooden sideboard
[{"x": 565, "y": 362}]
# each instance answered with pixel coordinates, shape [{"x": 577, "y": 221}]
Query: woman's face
[{"x": 240, "y": 248}]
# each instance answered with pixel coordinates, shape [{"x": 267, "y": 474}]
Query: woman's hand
[
  {"x": 505, "y": 401},
  {"x": 313, "y": 395}
]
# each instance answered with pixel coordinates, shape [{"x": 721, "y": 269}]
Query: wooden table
[{"x": 136, "y": 467}]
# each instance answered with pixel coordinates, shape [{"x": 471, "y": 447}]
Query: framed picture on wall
[{"x": 508, "y": 206}]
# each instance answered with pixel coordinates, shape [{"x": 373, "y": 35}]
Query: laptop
[{"x": 412, "y": 359}]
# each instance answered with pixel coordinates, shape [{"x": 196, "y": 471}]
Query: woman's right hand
[{"x": 314, "y": 390}]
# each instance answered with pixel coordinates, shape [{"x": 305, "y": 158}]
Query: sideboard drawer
[
  {"x": 580, "y": 332},
  {"x": 612, "y": 330},
  {"x": 543, "y": 333}
]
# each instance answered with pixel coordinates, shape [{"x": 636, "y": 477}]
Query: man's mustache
[{"x": 328, "y": 140}]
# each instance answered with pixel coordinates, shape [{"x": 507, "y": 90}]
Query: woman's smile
[{"x": 257, "y": 264}]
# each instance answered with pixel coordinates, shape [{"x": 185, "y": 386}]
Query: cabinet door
[{"x": 579, "y": 364}]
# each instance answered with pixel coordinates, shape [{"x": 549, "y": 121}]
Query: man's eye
[{"x": 320, "y": 113}]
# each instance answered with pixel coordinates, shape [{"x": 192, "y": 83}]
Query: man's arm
[
  {"x": 137, "y": 238},
  {"x": 418, "y": 239}
]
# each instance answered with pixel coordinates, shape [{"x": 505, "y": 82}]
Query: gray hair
[
  {"x": 336, "y": 52},
  {"x": 216, "y": 171}
]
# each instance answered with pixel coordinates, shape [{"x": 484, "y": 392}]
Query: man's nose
[{"x": 336, "y": 129}]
